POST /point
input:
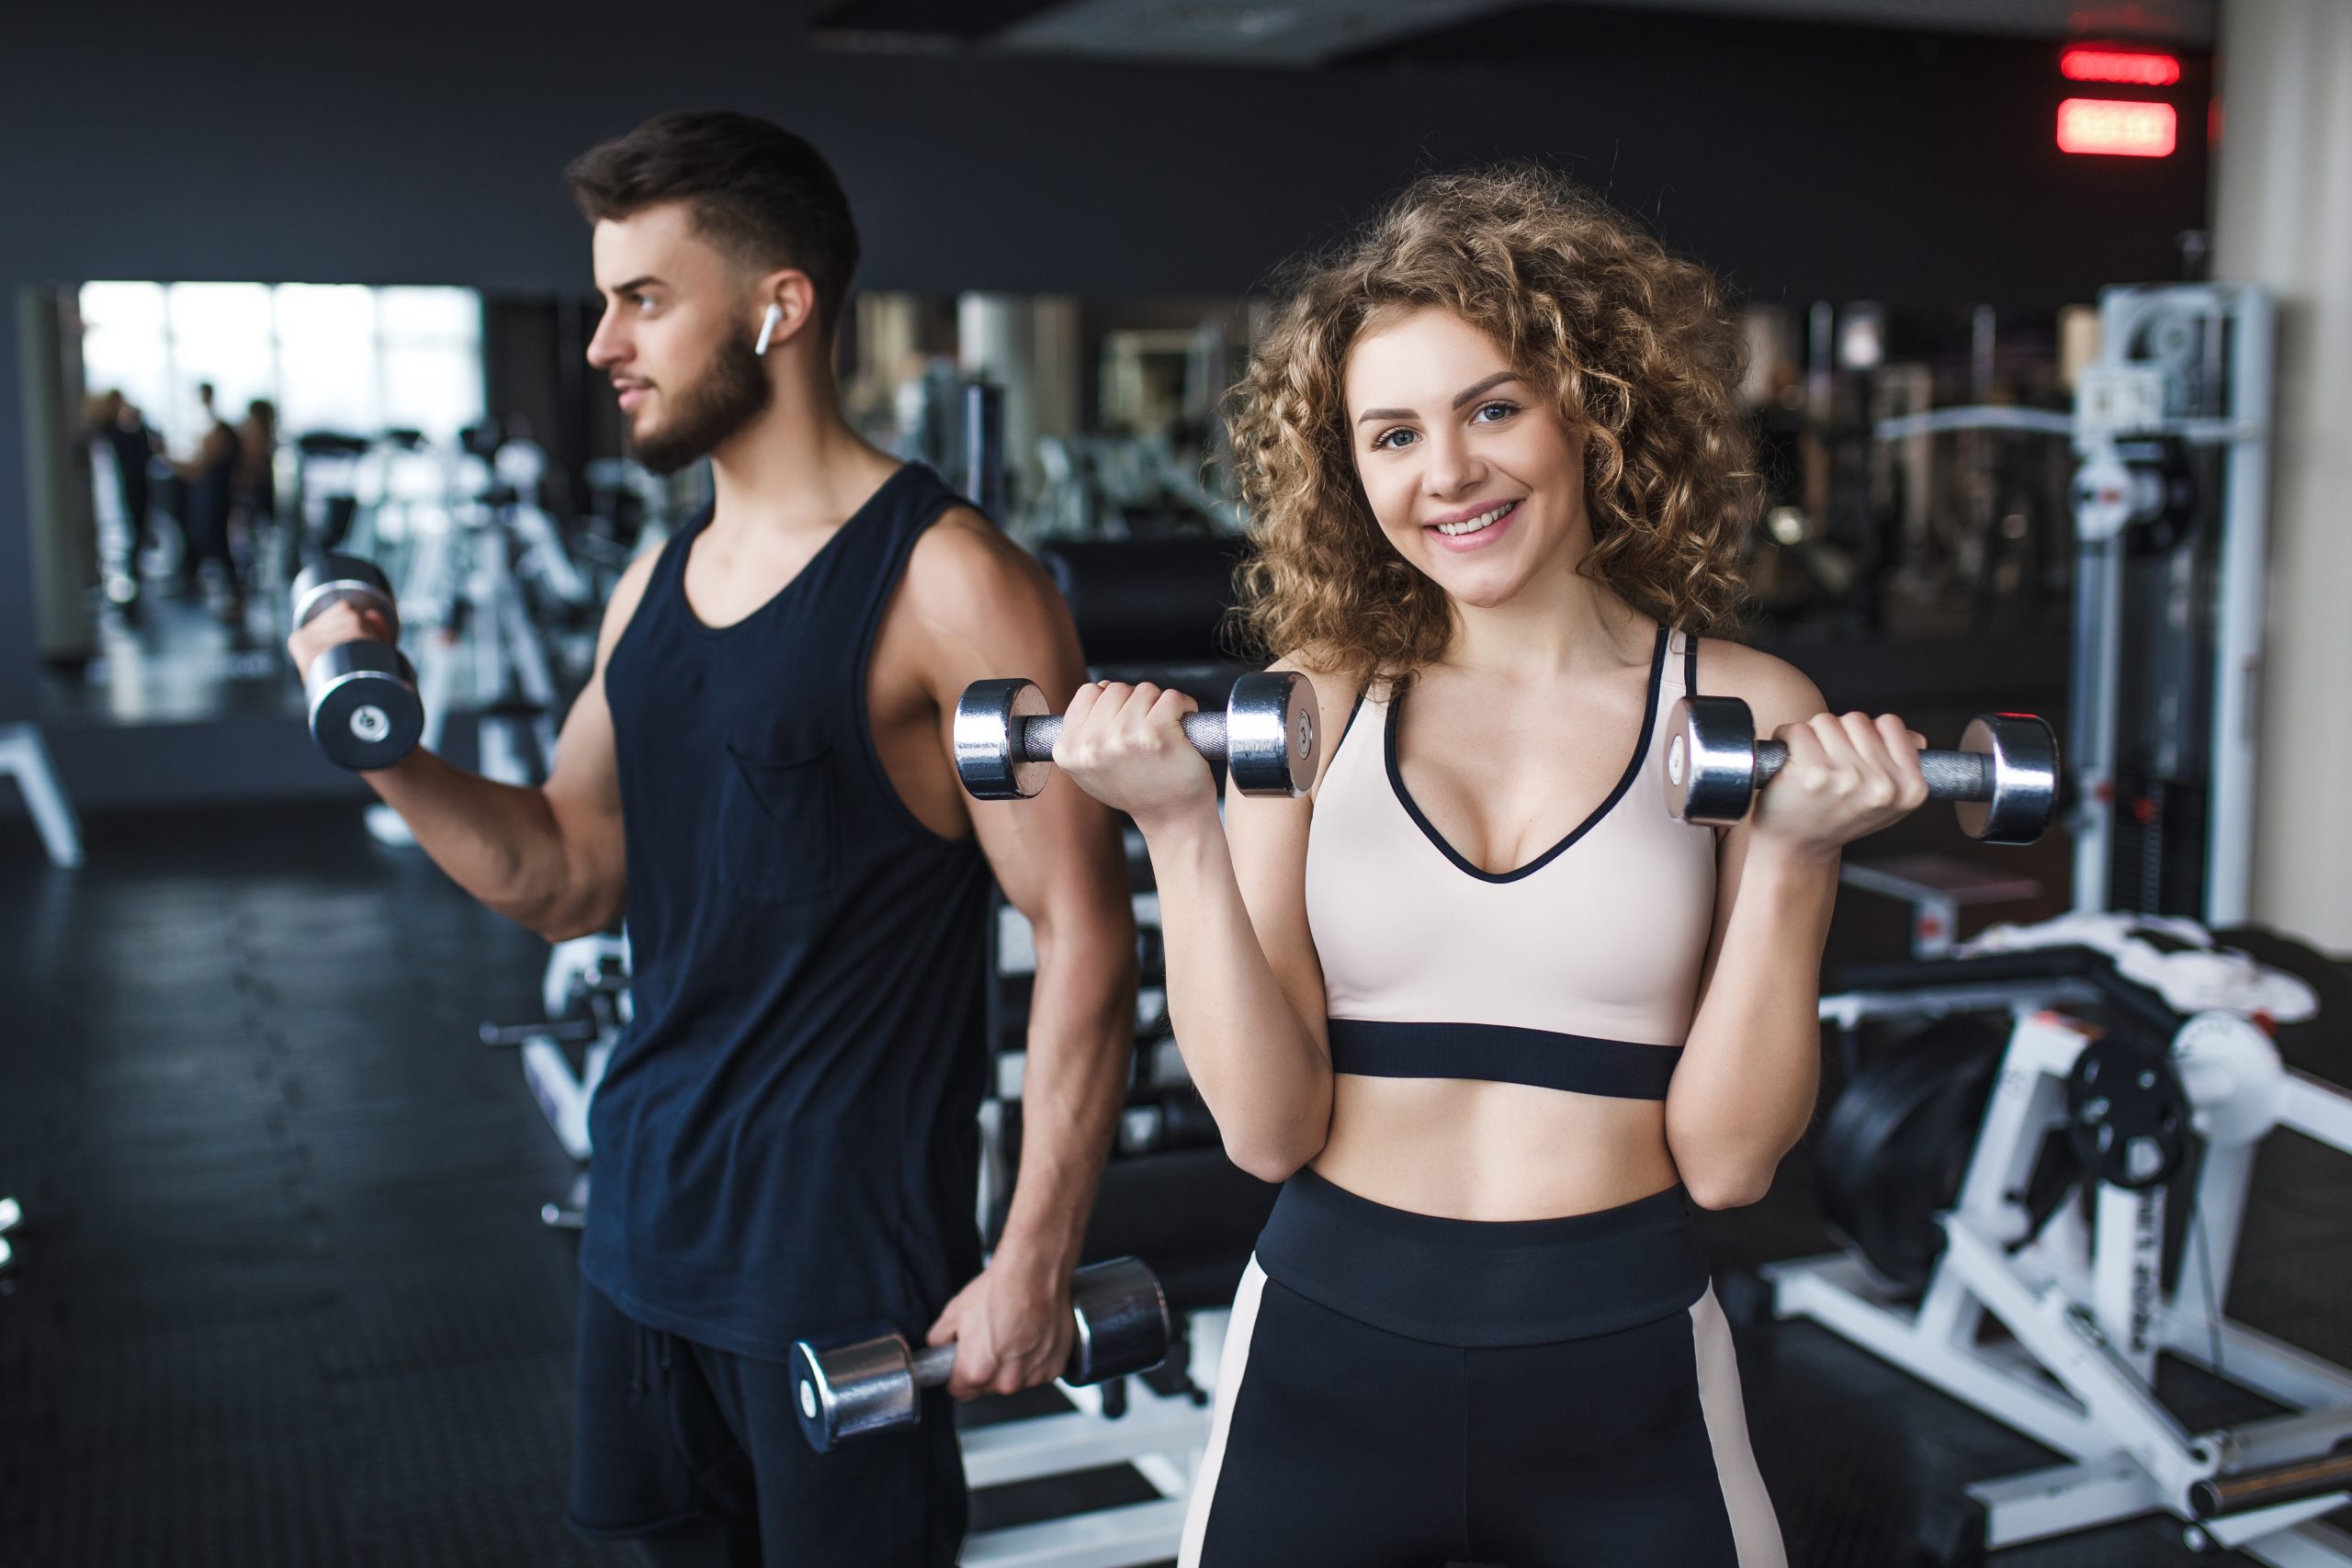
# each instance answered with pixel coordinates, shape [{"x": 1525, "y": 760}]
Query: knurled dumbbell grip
[
  {"x": 932, "y": 1363},
  {"x": 1951, "y": 775},
  {"x": 1204, "y": 730}
]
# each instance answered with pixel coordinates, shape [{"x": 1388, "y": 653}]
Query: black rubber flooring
[{"x": 283, "y": 1297}]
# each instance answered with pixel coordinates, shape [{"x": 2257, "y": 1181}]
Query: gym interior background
[{"x": 292, "y": 1282}]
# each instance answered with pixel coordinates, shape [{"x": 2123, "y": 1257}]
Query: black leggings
[{"x": 1398, "y": 1389}]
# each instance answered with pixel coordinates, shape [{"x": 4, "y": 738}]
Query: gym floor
[{"x": 283, "y": 1296}]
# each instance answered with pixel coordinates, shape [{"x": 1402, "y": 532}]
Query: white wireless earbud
[{"x": 768, "y": 324}]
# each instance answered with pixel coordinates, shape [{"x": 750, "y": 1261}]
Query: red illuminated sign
[
  {"x": 2119, "y": 65},
  {"x": 2117, "y": 129}
]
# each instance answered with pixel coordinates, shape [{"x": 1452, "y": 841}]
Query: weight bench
[{"x": 2085, "y": 1301}]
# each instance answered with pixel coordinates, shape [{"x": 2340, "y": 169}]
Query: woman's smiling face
[{"x": 1472, "y": 471}]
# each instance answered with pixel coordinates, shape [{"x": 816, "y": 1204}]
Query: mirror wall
[{"x": 196, "y": 442}]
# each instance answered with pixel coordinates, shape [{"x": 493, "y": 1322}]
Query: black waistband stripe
[
  {"x": 1474, "y": 1283},
  {"x": 1621, "y": 1069}
]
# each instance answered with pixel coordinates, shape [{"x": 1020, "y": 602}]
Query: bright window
[{"x": 331, "y": 356}]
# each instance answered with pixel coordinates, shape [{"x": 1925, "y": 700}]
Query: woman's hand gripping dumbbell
[
  {"x": 851, "y": 1386},
  {"x": 364, "y": 713},
  {"x": 1265, "y": 737},
  {"x": 2003, "y": 780}
]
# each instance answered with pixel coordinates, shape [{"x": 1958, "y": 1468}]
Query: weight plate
[
  {"x": 2127, "y": 1114},
  {"x": 1897, "y": 1142}
]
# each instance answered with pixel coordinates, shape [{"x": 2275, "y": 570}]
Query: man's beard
[{"x": 735, "y": 392}]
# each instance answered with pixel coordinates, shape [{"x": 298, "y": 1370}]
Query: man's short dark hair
[{"x": 756, "y": 191}]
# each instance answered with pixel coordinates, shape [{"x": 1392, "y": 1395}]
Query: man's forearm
[
  {"x": 1081, "y": 1034},
  {"x": 500, "y": 842}
]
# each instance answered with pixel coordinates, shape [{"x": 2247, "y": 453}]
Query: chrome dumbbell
[
  {"x": 2003, "y": 778},
  {"x": 1265, "y": 737},
  {"x": 852, "y": 1386},
  {"x": 364, "y": 712}
]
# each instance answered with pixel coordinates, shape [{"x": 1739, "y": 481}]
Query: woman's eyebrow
[{"x": 1489, "y": 385}]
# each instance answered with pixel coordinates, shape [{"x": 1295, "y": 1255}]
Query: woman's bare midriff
[{"x": 1466, "y": 1150}]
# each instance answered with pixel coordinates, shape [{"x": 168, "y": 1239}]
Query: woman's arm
[
  {"x": 1744, "y": 1091},
  {"x": 1245, "y": 991}
]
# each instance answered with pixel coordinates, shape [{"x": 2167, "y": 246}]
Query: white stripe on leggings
[
  {"x": 1755, "y": 1530},
  {"x": 1229, "y": 1367}
]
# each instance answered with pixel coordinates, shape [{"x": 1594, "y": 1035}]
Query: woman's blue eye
[
  {"x": 1381, "y": 441},
  {"x": 1486, "y": 408}
]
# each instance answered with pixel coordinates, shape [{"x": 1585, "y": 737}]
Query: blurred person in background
[
  {"x": 119, "y": 434},
  {"x": 253, "y": 487},
  {"x": 210, "y": 476}
]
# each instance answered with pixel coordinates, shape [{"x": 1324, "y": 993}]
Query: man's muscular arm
[
  {"x": 551, "y": 857},
  {"x": 987, "y": 609}
]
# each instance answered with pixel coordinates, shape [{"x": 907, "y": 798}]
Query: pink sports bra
[{"x": 1578, "y": 971}]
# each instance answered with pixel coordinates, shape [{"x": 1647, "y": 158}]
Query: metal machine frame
[
  {"x": 2183, "y": 369},
  {"x": 2084, "y": 1306}
]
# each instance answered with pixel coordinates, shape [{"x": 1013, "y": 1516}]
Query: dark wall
[{"x": 422, "y": 144}]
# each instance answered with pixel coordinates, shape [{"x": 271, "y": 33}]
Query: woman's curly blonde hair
[{"x": 1638, "y": 346}]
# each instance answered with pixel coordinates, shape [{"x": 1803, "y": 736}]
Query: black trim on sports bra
[
  {"x": 1689, "y": 665},
  {"x": 1625, "y": 783},
  {"x": 1496, "y": 1053},
  {"x": 1352, "y": 711}
]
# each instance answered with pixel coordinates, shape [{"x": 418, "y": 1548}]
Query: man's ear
[{"x": 787, "y": 299}]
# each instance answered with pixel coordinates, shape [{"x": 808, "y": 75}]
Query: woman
[{"x": 1493, "y": 1016}]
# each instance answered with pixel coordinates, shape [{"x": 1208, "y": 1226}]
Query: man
[{"x": 760, "y": 765}]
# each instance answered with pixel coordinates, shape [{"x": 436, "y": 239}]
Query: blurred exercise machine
[
  {"x": 2053, "y": 1149},
  {"x": 2079, "y": 1185}
]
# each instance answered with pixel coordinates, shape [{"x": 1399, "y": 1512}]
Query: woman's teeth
[{"x": 1471, "y": 526}]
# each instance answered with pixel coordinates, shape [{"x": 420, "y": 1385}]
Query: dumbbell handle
[
  {"x": 1951, "y": 775},
  {"x": 932, "y": 1363},
  {"x": 1204, "y": 730}
]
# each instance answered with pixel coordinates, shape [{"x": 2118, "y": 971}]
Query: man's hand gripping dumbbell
[{"x": 854, "y": 1385}]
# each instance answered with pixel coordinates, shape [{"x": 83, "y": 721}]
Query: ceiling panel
[{"x": 1301, "y": 33}]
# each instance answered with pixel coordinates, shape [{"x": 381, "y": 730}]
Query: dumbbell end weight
[
  {"x": 333, "y": 580},
  {"x": 989, "y": 717},
  {"x": 850, "y": 1387},
  {"x": 2020, "y": 761},
  {"x": 364, "y": 713}
]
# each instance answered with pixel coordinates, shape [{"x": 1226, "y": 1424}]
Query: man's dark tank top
[{"x": 786, "y": 1138}]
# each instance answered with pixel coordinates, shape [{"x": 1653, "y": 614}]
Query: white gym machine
[
  {"x": 2172, "y": 423},
  {"x": 2084, "y": 1306},
  {"x": 586, "y": 993},
  {"x": 461, "y": 595},
  {"x": 25, "y": 758}
]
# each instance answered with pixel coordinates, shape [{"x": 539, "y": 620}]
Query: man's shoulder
[{"x": 965, "y": 566}]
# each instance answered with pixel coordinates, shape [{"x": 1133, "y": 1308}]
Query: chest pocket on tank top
[{"x": 778, "y": 840}]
